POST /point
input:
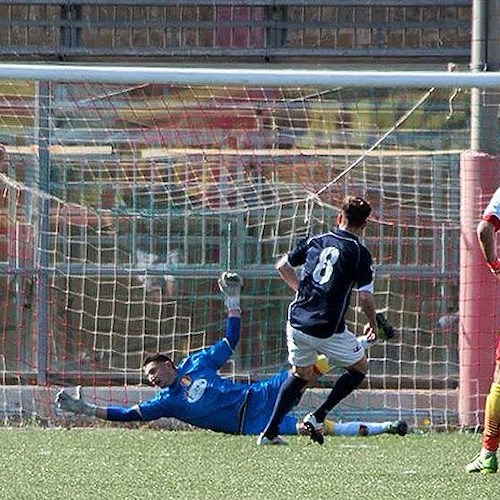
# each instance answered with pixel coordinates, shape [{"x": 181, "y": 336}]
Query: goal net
[{"x": 123, "y": 202}]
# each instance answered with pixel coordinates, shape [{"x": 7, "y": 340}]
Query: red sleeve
[{"x": 492, "y": 219}]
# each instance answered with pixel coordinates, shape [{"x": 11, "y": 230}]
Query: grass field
[{"x": 124, "y": 464}]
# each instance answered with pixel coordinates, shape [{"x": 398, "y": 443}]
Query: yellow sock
[
  {"x": 491, "y": 434},
  {"x": 321, "y": 365},
  {"x": 328, "y": 426}
]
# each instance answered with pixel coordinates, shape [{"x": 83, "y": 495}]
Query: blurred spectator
[
  {"x": 448, "y": 321},
  {"x": 157, "y": 285}
]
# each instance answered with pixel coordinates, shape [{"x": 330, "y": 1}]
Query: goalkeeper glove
[
  {"x": 385, "y": 330},
  {"x": 75, "y": 404},
  {"x": 230, "y": 285}
]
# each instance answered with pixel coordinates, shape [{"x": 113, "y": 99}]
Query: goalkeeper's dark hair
[
  {"x": 160, "y": 357},
  {"x": 356, "y": 210}
]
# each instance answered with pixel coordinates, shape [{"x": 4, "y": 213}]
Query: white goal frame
[
  {"x": 249, "y": 76},
  {"x": 269, "y": 77}
]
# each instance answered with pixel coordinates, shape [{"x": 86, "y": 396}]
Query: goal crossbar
[{"x": 248, "y": 76}]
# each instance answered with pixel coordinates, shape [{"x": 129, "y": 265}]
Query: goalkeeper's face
[{"x": 160, "y": 373}]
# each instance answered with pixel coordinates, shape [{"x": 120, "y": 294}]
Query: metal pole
[
  {"x": 485, "y": 56},
  {"x": 43, "y": 139}
]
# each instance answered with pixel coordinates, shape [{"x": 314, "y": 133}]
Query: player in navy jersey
[
  {"x": 195, "y": 393},
  {"x": 333, "y": 264}
]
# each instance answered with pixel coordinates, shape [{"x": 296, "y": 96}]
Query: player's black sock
[
  {"x": 288, "y": 396},
  {"x": 342, "y": 388}
]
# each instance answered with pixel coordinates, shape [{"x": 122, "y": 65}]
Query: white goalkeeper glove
[
  {"x": 230, "y": 285},
  {"x": 75, "y": 404}
]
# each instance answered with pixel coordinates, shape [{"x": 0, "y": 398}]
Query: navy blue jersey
[{"x": 332, "y": 265}]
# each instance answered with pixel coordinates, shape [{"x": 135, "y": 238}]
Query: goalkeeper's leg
[{"x": 330, "y": 428}]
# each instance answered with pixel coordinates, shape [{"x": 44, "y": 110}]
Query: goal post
[
  {"x": 480, "y": 315},
  {"x": 126, "y": 191}
]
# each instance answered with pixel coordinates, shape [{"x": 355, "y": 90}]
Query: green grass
[{"x": 125, "y": 464}]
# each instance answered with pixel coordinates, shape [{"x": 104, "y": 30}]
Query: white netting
[{"x": 123, "y": 203}]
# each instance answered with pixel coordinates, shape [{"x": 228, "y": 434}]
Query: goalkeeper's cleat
[
  {"x": 399, "y": 427},
  {"x": 314, "y": 429},
  {"x": 484, "y": 465},
  {"x": 385, "y": 330},
  {"x": 265, "y": 441}
]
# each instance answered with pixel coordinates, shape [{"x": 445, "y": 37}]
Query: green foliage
[{"x": 121, "y": 464}]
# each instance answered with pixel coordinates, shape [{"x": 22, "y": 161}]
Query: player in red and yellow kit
[{"x": 486, "y": 461}]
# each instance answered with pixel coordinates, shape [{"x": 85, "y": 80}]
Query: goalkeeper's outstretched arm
[
  {"x": 78, "y": 405},
  {"x": 158, "y": 368},
  {"x": 230, "y": 285}
]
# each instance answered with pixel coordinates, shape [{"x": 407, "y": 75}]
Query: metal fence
[{"x": 242, "y": 30}]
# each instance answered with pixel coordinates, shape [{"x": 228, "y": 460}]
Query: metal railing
[{"x": 243, "y": 30}]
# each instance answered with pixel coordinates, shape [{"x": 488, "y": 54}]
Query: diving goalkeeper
[{"x": 195, "y": 393}]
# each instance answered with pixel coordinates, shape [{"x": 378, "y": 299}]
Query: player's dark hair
[
  {"x": 157, "y": 356},
  {"x": 356, "y": 210}
]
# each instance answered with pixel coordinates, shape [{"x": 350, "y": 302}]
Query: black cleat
[
  {"x": 399, "y": 427},
  {"x": 313, "y": 428}
]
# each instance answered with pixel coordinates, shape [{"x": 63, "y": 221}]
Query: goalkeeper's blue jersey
[{"x": 199, "y": 395}]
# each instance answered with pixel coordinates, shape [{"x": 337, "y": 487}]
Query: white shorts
[{"x": 341, "y": 349}]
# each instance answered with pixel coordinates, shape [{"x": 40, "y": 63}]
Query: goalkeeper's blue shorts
[{"x": 259, "y": 407}]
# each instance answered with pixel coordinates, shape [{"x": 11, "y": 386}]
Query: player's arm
[
  {"x": 287, "y": 273},
  {"x": 486, "y": 236},
  {"x": 78, "y": 405},
  {"x": 287, "y": 263},
  {"x": 367, "y": 303},
  {"x": 230, "y": 285},
  {"x": 216, "y": 355},
  {"x": 365, "y": 294},
  {"x": 232, "y": 336}
]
